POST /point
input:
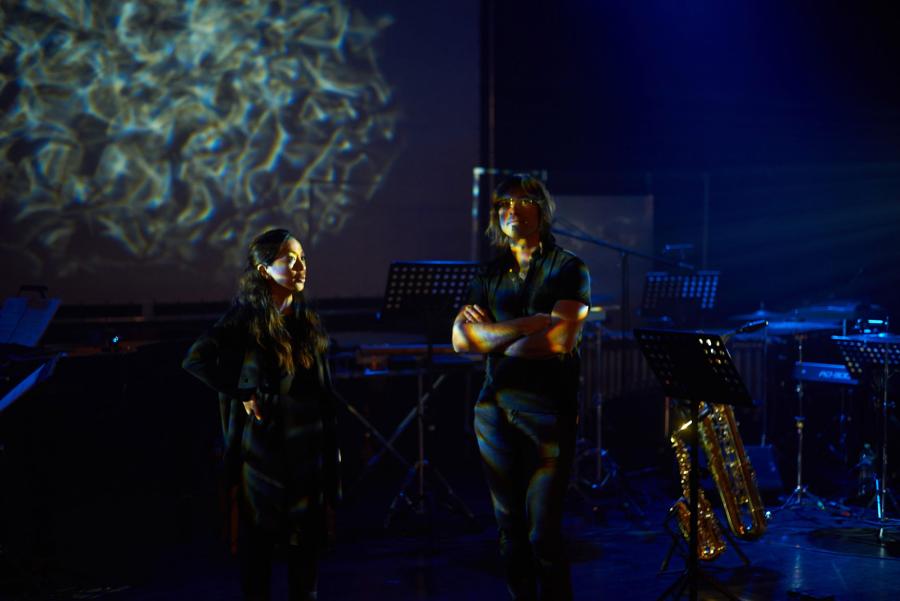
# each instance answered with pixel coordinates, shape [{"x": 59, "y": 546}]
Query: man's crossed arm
[{"x": 533, "y": 336}]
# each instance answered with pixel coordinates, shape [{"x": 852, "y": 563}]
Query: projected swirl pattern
[{"x": 149, "y": 131}]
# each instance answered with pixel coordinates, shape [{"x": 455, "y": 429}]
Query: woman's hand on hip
[{"x": 251, "y": 406}]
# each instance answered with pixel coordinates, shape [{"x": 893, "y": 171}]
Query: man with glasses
[{"x": 525, "y": 312}]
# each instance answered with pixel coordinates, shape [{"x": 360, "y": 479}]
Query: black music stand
[
  {"x": 23, "y": 365},
  {"x": 23, "y": 321},
  {"x": 696, "y": 367},
  {"x": 680, "y": 299},
  {"x": 863, "y": 354},
  {"x": 424, "y": 297}
]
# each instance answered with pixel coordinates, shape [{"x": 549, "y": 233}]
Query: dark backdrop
[
  {"x": 774, "y": 124},
  {"x": 781, "y": 118}
]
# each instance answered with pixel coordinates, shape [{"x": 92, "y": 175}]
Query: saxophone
[
  {"x": 734, "y": 478},
  {"x": 710, "y": 543},
  {"x": 732, "y": 472}
]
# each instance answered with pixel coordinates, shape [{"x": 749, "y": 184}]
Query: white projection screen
[{"x": 143, "y": 144}]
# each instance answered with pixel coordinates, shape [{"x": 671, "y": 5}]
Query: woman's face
[{"x": 288, "y": 270}]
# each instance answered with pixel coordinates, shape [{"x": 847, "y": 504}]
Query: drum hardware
[
  {"x": 840, "y": 450},
  {"x": 834, "y": 311},
  {"x": 865, "y": 472},
  {"x": 870, "y": 326},
  {"x": 831, "y": 373},
  {"x": 799, "y": 330},
  {"x": 801, "y": 496},
  {"x": 778, "y": 329},
  {"x": 761, "y": 313},
  {"x": 594, "y": 468},
  {"x": 795, "y": 328}
]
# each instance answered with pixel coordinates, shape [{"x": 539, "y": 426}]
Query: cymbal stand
[
  {"x": 590, "y": 478},
  {"x": 800, "y": 496}
]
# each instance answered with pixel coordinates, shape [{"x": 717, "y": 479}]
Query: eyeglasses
[{"x": 507, "y": 203}]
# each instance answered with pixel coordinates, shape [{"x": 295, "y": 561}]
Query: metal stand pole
[
  {"x": 800, "y": 493},
  {"x": 882, "y": 493},
  {"x": 765, "y": 388}
]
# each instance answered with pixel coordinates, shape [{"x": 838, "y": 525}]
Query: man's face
[{"x": 519, "y": 216}]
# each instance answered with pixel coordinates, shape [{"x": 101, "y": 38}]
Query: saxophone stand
[
  {"x": 678, "y": 544},
  {"x": 694, "y": 367},
  {"x": 425, "y": 295},
  {"x": 879, "y": 352}
]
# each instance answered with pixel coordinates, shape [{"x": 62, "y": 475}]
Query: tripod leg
[
  {"x": 387, "y": 445},
  {"x": 400, "y": 429},
  {"x": 668, "y": 557},
  {"x": 629, "y": 502},
  {"x": 685, "y": 583},
  {"x": 736, "y": 547},
  {"x": 457, "y": 503},
  {"x": 675, "y": 589},
  {"x": 890, "y": 500},
  {"x": 718, "y": 586},
  {"x": 402, "y": 495},
  {"x": 674, "y": 535}
]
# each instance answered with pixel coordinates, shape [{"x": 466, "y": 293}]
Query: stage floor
[{"x": 807, "y": 553}]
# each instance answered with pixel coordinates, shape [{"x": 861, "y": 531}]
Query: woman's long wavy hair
[
  {"x": 522, "y": 185},
  {"x": 267, "y": 325}
]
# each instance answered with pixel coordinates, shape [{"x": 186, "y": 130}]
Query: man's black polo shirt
[{"x": 538, "y": 385}]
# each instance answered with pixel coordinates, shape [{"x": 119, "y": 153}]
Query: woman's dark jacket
[{"x": 287, "y": 463}]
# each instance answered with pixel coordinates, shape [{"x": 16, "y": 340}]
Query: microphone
[
  {"x": 752, "y": 326},
  {"x": 668, "y": 248}
]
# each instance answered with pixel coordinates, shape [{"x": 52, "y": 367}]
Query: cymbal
[
  {"x": 883, "y": 338},
  {"x": 834, "y": 311},
  {"x": 759, "y": 314},
  {"x": 785, "y": 328},
  {"x": 602, "y": 299}
]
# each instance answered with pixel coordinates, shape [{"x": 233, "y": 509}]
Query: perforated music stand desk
[
  {"x": 680, "y": 297},
  {"x": 870, "y": 354},
  {"x": 695, "y": 367},
  {"x": 425, "y": 296},
  {"x": 865, "y": 352}
]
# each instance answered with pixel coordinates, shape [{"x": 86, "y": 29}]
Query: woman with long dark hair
[{"x": 266, "y": 357}]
